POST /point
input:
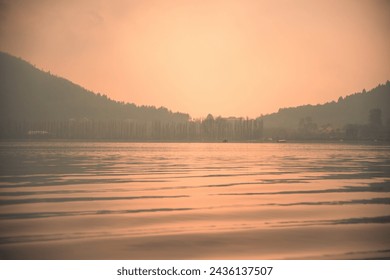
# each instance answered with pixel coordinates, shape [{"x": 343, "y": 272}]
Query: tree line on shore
[
  {"x": 307, "y": 129},
  {"x": 209, "y": 129}
]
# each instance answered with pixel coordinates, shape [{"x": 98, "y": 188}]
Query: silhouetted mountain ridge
[
  {"x": 34, "y": 100},
  {"x": 353, "y": 109},
  {"x": 27, "y": 93}
]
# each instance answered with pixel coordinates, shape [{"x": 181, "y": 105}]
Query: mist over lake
[{"x": 83, "y": 200}]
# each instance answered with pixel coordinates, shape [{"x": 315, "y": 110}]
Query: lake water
[{"x": 78, "y": 200}]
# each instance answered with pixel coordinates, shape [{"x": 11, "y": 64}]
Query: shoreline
[{"x": 335, "y": 242}]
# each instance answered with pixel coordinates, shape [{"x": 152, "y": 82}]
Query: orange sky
[{"x": 229, "y": 58}]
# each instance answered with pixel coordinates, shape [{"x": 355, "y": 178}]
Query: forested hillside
[
  {"x": 27, "y": 93},
  {"x": 353, "y": 109},
  {"x": 37, "y": 104}
]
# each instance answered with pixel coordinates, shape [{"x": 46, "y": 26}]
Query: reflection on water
[{"x": 193, "y": 201}]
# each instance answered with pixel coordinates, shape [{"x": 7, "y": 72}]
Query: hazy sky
[{"x": 241, "y": 58}]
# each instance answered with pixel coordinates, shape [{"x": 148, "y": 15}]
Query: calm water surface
[{"x": 194, "y": 201}]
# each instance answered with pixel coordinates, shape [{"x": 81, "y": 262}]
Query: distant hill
[
  {"x": 37, "y": 104},
  {"x": 353, "y": 109},
  {"x": 27, "y": 93}
]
